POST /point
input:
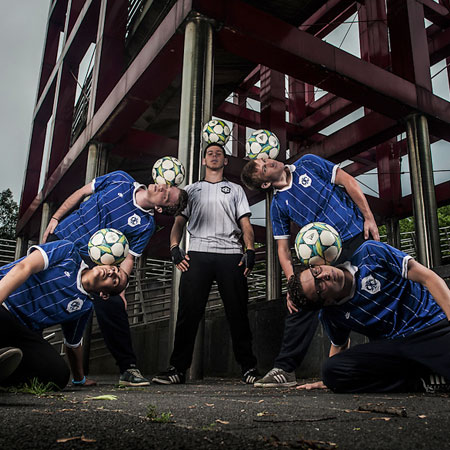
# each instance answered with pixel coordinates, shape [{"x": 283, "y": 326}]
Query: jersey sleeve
[
  {"x": 53, "y": 252},
  {"x": 321, "y": 167},
  {"x": 338, "y": 335},
  {"x": 280, "y": 221},
  {"x": 391, "y": 258},
  {"x": 242, "y": 206},
  {"x": 140, "y": 241},
  {"x": 73, "y": 330},
  {"x": 104, "y": 181}
]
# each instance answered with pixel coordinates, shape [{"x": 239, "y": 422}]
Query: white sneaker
[{"x": 277, "y": 378}]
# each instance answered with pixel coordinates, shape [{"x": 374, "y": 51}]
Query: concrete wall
[{"x": 266, "y": 320}]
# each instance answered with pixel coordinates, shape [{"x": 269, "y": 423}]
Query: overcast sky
[{"x": 22, "y": 29}]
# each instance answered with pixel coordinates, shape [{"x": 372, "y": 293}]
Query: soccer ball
[
  {"x": 318, "y": 243},
  {"x": 108, "y": 246},
  {"x": 168, "y": 170},
  {"x": 262, "y": 144},
  {"x": 216, "y": 132}
]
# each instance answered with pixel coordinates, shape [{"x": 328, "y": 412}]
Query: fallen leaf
[
  {"x": 209, "y": 404},
  {"x": 102, "y": 397},
  {"x": 263, "y": 413},
  {"x": 62, "y": 440},
  {"x": 422, "y": 416},
  {"x": 381, "y": 418},
  {"x": 85, "y": 439},
  {"x": 223, "y": 422}
]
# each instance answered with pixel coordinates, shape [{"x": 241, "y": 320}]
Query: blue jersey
[
  {"x": 112, "y": 205},
  {"x": 312, "y": 196},
  {"x": 54, "y": 295},
  {"x": 385, "y": 304}
]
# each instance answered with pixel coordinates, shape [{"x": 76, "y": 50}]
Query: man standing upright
[{"x": 218, "y": 215}]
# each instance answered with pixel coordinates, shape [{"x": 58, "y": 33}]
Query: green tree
[{"x": 8, "y": 215}]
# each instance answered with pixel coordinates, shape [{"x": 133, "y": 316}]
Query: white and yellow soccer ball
[
  {"x": 168, "y": 170},
  {"x": 108, "y": 247},
  {"x": 216, "y": 132},
  {"x": 318, "y": 243},
  {"x": 262, "y": 144}
]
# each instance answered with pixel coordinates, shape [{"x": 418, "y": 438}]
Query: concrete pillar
[
  {"x": 45, "y": 219},
  {"x": 195, "y": 110},
  {"x": 21, "y": 247},
  {"x": 393, "y": 232},
  {"x": 424, "y": 198},
  {"x": 97, "y": 165},
  {"x": 273, "y": 271}
]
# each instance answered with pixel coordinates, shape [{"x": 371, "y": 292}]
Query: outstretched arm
[
  {"x": 433, "y": 282},
  {"x": 69, "y": 204},
  {"x": 357, "y": 195},
  {"x": 20, "y": 273},
  {"x": 285, "y": 257}
]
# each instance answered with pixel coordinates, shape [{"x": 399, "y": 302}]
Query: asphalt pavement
[{"x": 220, "y": 414}]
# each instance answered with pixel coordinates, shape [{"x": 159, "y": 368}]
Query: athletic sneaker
[
  {"x": 250, "y": 376},
  {"x": 10, "y": 358},
  {"x": 133, "y": 377},
  {"x": 435, "y": 384},
  {"x": 170, "y": 376},
  {"x": 277, "y": 378}
]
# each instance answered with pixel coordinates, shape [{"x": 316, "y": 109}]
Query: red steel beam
[
  {"x": 151, "y": 72},
  {"x": 305, "y": 57}
]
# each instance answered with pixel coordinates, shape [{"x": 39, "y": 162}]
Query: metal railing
[{"x": 7, "y": 251}]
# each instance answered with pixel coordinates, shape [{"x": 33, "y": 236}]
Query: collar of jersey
[
  {"x": 80, "y": 287},
  {"x": 137, "y": 186},
  {"x": 291, "y": 168},
  {"x": 352, "y": 269},
  {"x": 217, "y": 182}
]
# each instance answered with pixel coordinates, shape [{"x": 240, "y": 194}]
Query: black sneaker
[
  {"x": 435, "y": 384},
  {"x": 250, "y": 376},
  {"x": 170, "y": 376},
  {"x": 133, "y": 377},
  {"x": 10, "y": 358}
]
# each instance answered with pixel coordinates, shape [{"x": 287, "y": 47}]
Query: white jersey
[{"x": 213, "y": 213}]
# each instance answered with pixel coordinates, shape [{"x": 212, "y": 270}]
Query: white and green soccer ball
[
  {"x": 216, "y": 132},
  {"x": 108, "y": 247},
  {"x": 318, "y": 243},
  {"x": 168, "y": 170},
  {"x": 262, "y": 144}
]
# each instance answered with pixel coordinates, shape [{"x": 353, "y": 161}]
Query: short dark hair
[
  {"x": 177, "y": 208},
  {"x": 249, "y": 177},
  {"x": 297, "y": 294},
  {"x": 215, "y": 144}
]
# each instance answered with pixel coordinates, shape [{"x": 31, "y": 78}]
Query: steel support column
[
  {"x": 393, "y": 232},
  {"x": 273, "y": 271},
  {"x": 196, "y": 109},
  {"x": 422, "y": 185}
]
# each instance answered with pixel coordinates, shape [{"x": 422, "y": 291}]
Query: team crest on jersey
[
  {"x": 304, "y": 180},
  {"x": 134, "y": 220},
  {"x": 225, "y": 189},
  {"x": 74, "y": 305},
  {"x": 370, "y": 285}
]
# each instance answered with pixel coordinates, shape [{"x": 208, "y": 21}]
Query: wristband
[{"x": 81, "y": 382}]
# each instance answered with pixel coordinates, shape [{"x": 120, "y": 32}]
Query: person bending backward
[
  {"x": 311, "y": 189},
  {"x": 400, "y": 305},
  {"x": 218, "y": 215},
  {"x": 52, "y": 285},
  {"x": 116, "y": 201}
]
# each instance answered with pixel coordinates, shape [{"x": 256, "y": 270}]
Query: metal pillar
[
  {"x": 393, "y": 232},
  {"x": 97, "y": 164},
  {"x": 45, "y": 218},
  {"x": 195, "y": 110},
  {"x": 424, "y": 197},
  {"x": 273, "y": 272}
]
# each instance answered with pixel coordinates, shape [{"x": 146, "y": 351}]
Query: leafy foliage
[{"x": 8, "y": 215}]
